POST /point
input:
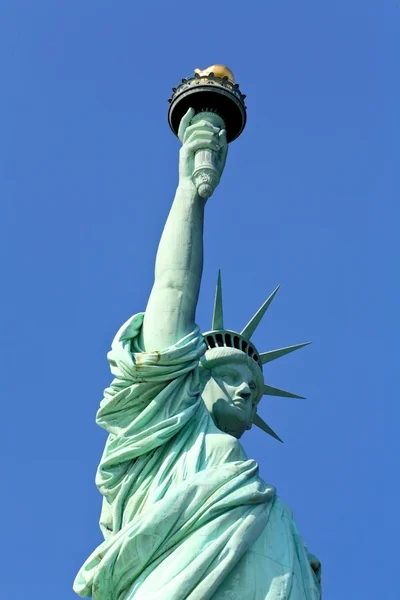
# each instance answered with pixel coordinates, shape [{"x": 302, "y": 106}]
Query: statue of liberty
[{"x": 185, "y": 514}]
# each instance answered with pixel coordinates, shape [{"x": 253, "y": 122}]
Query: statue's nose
[{"x": 244, "y": 391}]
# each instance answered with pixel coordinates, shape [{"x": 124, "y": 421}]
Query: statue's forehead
[{"x": 229, "y": 365}]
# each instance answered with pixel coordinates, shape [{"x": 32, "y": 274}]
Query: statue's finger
[
  {"x": 201, "y": 144},
  {"x": 200, "y": 126},
  {"x": 195, "y": 134},
  {"x": 224, "y": 148},
  {"x": 185, "y": 122}
]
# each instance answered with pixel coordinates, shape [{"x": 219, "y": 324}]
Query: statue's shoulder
[{"x": 282, "y": 509}]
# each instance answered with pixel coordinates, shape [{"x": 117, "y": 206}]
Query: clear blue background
[{"x": 308, "y": 200}]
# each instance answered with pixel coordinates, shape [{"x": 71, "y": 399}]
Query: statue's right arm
[{"x": 171, "y": 309}]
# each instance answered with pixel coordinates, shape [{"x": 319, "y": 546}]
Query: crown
[
  {"x": 214, "y": 90},
  {"x": 219, "y": 337}
]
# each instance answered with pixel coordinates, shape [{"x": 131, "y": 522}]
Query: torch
[{"x": 215, "y": 97}]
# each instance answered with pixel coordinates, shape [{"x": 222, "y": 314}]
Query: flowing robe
[{"x": 185, "y": 514}]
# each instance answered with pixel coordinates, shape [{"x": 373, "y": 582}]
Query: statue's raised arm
[{"x": 171, "y": 309}]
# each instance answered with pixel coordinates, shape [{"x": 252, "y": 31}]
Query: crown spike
[
  {"x": 254, "y": 322},
  {"x": 266, "y": 357},
  {"x": 218, "y": 317},
  {"x": 259, "y": 422},
  {"x": 273, "y": 391}
]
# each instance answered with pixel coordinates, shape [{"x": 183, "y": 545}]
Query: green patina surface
[{"x": 185, "y": 513}]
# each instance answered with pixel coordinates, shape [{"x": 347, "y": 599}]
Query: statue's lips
[
  {"x": 236, "y": 402},
  {"x": 240, "y": 403}
]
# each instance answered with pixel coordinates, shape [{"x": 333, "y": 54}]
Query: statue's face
[{"x": 230, "y": 395}]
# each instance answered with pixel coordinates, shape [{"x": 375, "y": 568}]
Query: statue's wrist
[
  {"x": 186, "y": 185},
  {"x": 188, "y": 189}
]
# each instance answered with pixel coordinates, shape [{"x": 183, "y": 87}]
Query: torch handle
[{"x": 206, "y": 174}]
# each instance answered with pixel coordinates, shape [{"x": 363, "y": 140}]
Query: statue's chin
[{"x": 229, "y": 419}]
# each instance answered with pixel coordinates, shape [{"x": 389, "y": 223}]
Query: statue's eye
[
  {"x": 231, "y": 377},
  {"x": 252, "y": 385},
  {"x": 231, "y": 373}
]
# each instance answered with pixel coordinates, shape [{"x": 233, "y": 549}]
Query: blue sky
[{"x": 309, "y": 199}]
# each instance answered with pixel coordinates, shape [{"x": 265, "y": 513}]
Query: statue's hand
[{"x": 202, "y": 135}]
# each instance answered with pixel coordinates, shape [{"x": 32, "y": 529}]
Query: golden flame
[{"x": 218, "y": 70}]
